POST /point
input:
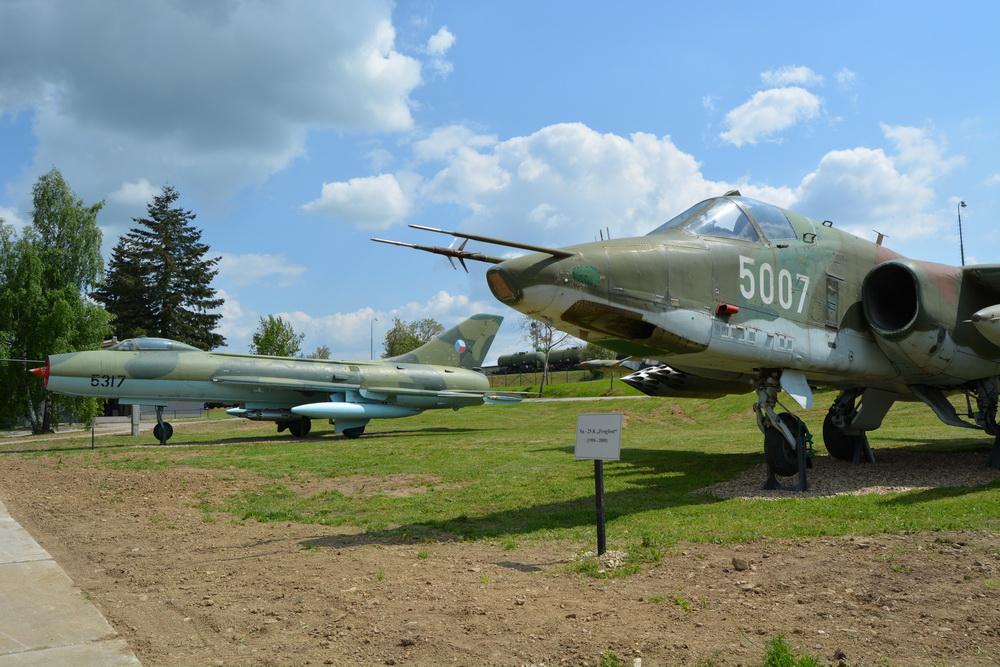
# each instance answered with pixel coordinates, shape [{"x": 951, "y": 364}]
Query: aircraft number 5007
[
  {"x": 763, "y": 283},
  {"x": 106, "y": 380}
]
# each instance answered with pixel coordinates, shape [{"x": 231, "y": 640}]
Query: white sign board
[{"x": 599, "y": 436}]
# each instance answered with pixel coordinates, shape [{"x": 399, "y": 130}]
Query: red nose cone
[{"x": 42, "y": 372}]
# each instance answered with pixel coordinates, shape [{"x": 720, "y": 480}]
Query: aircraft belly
[{"x": 752, "y": 344}]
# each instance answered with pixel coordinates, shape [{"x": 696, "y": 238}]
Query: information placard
[{"x": 599, "y": 436}]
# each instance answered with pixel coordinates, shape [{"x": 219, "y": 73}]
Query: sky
[{"x": 296, "y": 131}]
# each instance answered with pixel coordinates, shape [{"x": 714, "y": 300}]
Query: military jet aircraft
[
  {"x": 443, "y": 373},
  {"x": 737, "y": 295}
]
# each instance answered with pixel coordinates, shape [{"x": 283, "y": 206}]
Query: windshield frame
[{"x": 703, "y": 219}]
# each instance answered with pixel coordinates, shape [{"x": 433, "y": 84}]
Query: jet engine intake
[{"x": 907, "y": 304}]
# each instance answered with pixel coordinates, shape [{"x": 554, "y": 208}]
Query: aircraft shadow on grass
[{"x": 653, "y": 479}]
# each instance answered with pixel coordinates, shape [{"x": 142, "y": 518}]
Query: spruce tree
[{"x": 159, "y": 279}]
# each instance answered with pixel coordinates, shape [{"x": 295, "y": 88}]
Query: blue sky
[{"x": 296, "y": 131}]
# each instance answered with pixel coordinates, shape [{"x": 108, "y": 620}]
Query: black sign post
[
  {"x": 602, "y": 538},
  {"x": 598, "y": 437}
]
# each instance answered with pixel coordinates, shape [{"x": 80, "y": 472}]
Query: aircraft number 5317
[
  {"x": 767, "y": 286},
  {"x": 106, "y": 380}
]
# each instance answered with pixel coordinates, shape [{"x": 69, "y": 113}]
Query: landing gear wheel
[
  {"x": 352, "y": 433},
  {"x": 778, "y": 452},
  {"x": 163, "y": 434},
  {"x": 839, "y": 444},
  {"x": 300, "y": 427}
]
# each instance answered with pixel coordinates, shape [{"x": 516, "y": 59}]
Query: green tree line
[{"x": 56, "y": 297}]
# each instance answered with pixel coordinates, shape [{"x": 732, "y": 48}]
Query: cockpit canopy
[
  {"x": 145, "y": 344},
  {"x": 738, "y": 218}
]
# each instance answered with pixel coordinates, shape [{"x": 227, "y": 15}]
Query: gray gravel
[{"x": 895, "y": 471}]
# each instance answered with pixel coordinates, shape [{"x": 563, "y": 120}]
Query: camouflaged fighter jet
[
  {"x": 737, "y": 295},
  {"x": 442, "y": 373}
]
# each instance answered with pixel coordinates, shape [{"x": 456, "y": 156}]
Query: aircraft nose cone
[
  {"x": 529, "y": 283},
  {"x": 504, "y": 285},
  {"x": 42, "y": 372}
]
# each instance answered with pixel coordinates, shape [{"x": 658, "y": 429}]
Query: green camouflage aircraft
[
  {"x": 443, "y": 373},
  {"x": 737, "y": 295}
]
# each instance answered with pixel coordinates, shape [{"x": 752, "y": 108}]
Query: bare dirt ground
[{"x": 183, "y": 591}]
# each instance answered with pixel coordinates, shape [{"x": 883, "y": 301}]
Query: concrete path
[{"x": 44, "y": 618}]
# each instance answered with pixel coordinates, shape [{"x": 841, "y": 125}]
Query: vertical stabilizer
[{"x": 465, "y": 345}]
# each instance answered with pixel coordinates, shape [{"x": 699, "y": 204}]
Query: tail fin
[{"x": 465, "y": 345}]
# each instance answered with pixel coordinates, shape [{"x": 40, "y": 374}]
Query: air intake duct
[{"x": 910, "y": 307}]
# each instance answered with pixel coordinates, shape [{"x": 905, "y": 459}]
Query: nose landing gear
[{"x": 787, "y": 442}]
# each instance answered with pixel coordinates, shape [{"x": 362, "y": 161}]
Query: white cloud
[
  {"x": 374, "y": 202},
  {"x": 211, "y": 99},
  {"x": 437, "y": 47},
  {"x": 11, "y": 217},
  {"x": 138, "y": 193},
  {"x": 846, "y": 78},
  {"x": 993, "y": 180},
  {"x": 242, "y": 270},
  {"x": 791, "y": 75},
  {"x": 446, "y": 142},
  {"x": 236, "y": 324},
  {"x": 863, "y": 188},
  {"x": 768, "y": 112},
  {"x": 565, "y": 182},
  {"x": 440, "y": 42},
  {"x": 352, "y": 335},
  {"x": 918, "y": 148}
]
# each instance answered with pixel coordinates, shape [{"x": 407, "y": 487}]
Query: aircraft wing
[
  {"x": 987, "y": 275},
  {"x": 382, "y": 393},
  {"x": 371, "y": 393},
  {"x": 284, "y": 383}
]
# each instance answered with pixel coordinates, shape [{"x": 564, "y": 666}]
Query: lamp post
[
  {"x": 961, "y": 243},
  {"x": 371, "y": 335}
]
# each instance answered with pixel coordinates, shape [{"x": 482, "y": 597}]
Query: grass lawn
[{"x": 508, "y": 473}]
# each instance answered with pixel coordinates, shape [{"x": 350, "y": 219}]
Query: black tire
[
  {"x": 353, "y": 433},
  {"x": 778, "y": 453},
  {"x": 165, "y": 432},
  {"x": 300, "y": 427},
  {"x": 839, "y": 444}
]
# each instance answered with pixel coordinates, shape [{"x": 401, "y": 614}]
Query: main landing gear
[
  {"x": 987, "y": 394},
  {"x": 787, "y": 442},
  {"x": 841, "y": 435},
  {"x": 298, "y": 427}
]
